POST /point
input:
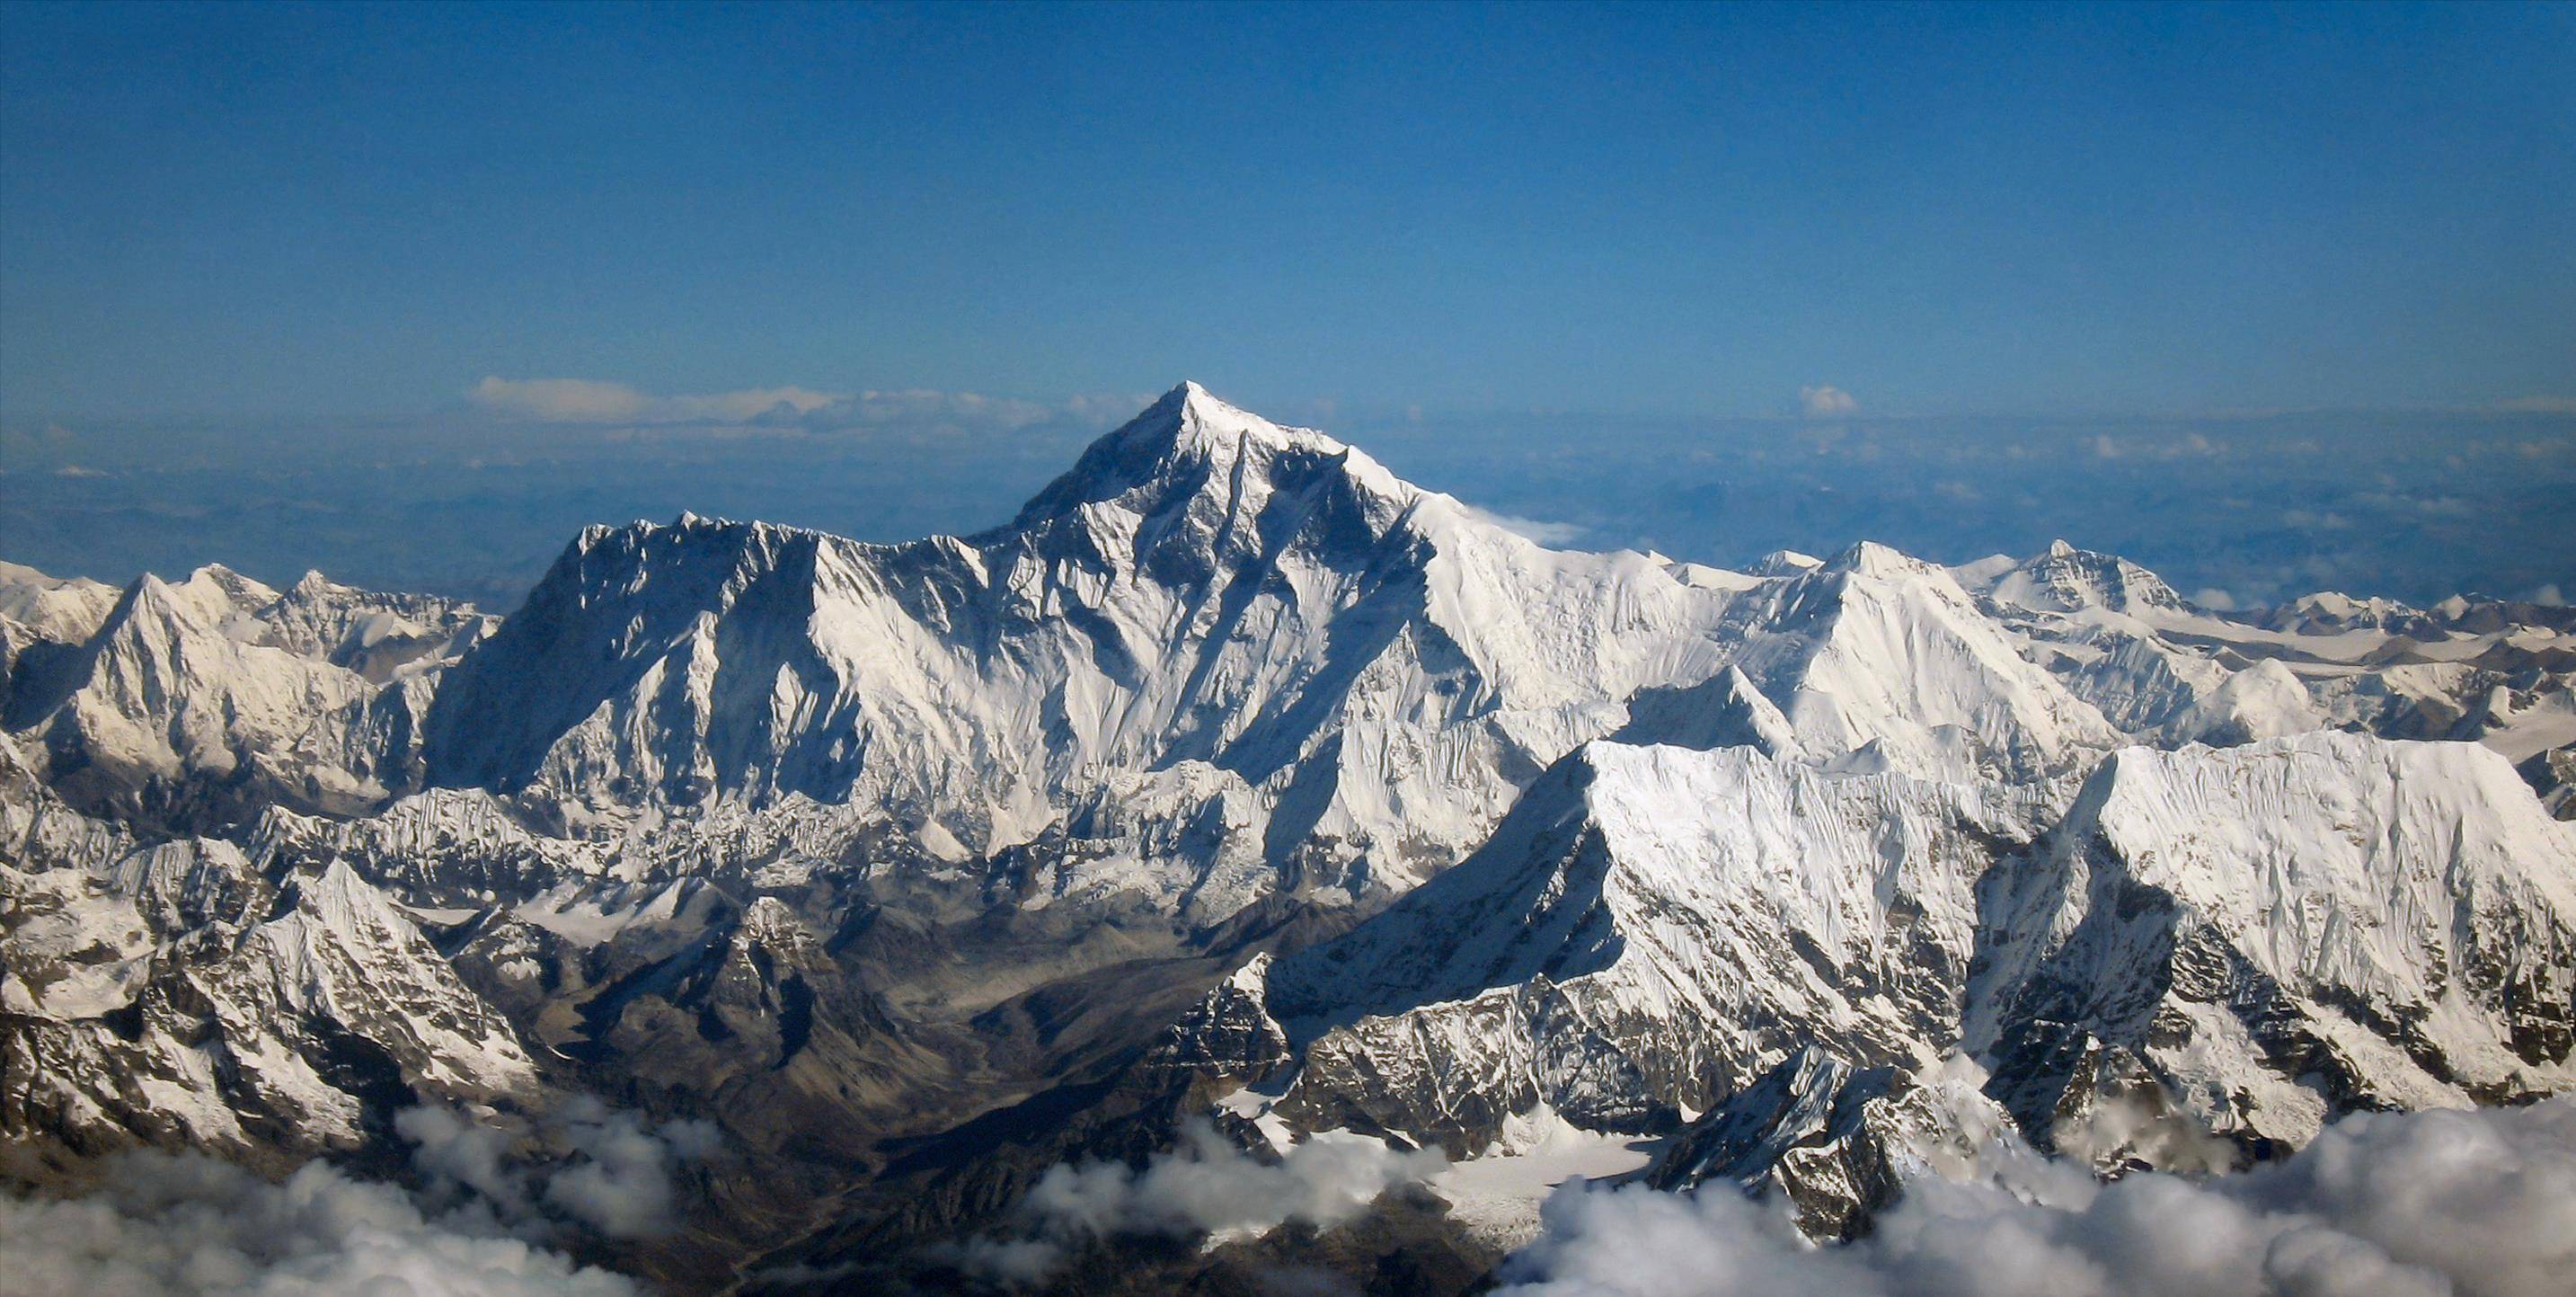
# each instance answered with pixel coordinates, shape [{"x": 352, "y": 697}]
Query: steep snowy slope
[
  {"x": 2289, "y": 930},
  {"x": 1876, "y": 651},
  {"x": 1650, "y": 929},
  {"x": 1215, "y": 616},
  {"x": 1235, "y": 777},
  {"x": 63, "y": 609},
  {"x": 2249, "y": 940},
  {"x": 1724, "y": 711},
  {"x": 197, "y": 703}
]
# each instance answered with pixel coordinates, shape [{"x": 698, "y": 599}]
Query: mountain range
[{"x": 1238, "y": 791}]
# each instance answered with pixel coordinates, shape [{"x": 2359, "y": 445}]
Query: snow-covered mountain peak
[
  {"x": 63, "y": 609},
  {"x": 1882, "y": 651},
  {"x": 1723, "y": 711},
  {"x": 2064, "y": 579},
  {"x": 1188, "y": 445},
  {"x": 1870, "y": 558},
  {"x": 836, "y": 842},
  {"x": 1786, "y": 562},
  {"x": 1648, "y": 929},
  {"x": 2290, "y": 928},
  {"x": 212, "y": 598},
  {"x": 1208, "y": 603}
]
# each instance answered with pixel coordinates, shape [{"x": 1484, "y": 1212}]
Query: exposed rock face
[
  {"x": 1802, "y": 1130},
  {"x": 1230, "y": 1033},
  {"x": 1651, "y": 929},
  {"x": 2293, "y": 929},
  {"x": 2262, "y": 937},
  {"x": 2552, "y": 774},
  {"x": 174, "y": 994}
]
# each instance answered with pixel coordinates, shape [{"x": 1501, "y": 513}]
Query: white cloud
[
  {"x": 621, "y": 410},
  {"x": 163, "y": 1224},
  {"x": 480, "y": 1226},
  {"x": 75, "y": 470},
  {"x": 1555, "y": 535},
  {"x": 1823, "y": 402},
  {"x": 619, "y": 1182},
  {"x": 463, "y": 1160},
  {"x": 2539, "y": 405},
  {"x": 927, "y": 410},
  {"x": 611, "y": 1171},
  {"x": 2214, "y": 599},
  {"x": 2434, "y": 1204},
  {"x": 2549, "y": 596},
  {"x": 2188, "y": 446},
  {"x": 1207, "y": 1186},
  {"x": 581, "y": 400}
]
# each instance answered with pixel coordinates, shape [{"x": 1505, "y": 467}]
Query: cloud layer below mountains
[
  {"x": 609, "y": 1170},
  {"x": 1207, "y": 1186},
  {"x": 192, "y": 1226},
  {"x": 2435, "y": 1204},
  {"x": 485, "y": 1222}
]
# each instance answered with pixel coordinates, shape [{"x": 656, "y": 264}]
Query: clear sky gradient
[
  {"x": 2273, "y": 299},
  {"x": 286, "y": 212}
]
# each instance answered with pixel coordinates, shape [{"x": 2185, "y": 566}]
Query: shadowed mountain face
[{"x": 1236, "y": 781}]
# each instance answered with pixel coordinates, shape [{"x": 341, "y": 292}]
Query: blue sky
[
  {"x": 282, "y": 211},
  {"x": 2272, "y": 297}
]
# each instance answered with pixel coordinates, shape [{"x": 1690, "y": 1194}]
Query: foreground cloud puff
[
  {"x": 191, "y": 1225},
  {"x": 1207, "y": 1186},
  {"x": 611, "y": 1173},
  {"x": 2435, "y": 1204}
]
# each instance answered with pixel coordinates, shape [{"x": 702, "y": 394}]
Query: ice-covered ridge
[
  {"x": 1650, "y": 928},
  {"x": 2285, "y": 930},
  {"x": 1207, "y": 612},
  {"x": 2261, "y": 937}
]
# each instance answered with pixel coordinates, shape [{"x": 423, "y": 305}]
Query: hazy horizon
[{"x": 2238, "y": 510}]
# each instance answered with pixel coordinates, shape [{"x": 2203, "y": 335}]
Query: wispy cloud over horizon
[
  {"x": 1555, "y": 535},
  {"x": 583, "y": 400},
  {"x": 1827, "y": 402},
  {"x": 594, "y": 403},
  {"x": 2412, "y": 505}
]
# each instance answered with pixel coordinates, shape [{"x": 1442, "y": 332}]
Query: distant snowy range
[{"x": 1247, "y": 872}]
